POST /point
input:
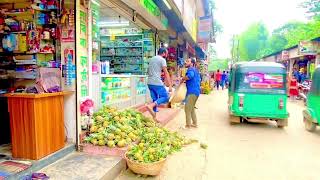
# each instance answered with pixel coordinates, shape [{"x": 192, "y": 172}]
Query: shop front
[
  {"x": 38, "y": 80},
  {"x": 125, "y": 44},
  {"x": 303, "y": 58}
]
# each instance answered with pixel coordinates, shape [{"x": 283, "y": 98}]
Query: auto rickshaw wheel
[
  {"x": 234, "y": 119},
  {"x": 281, "y": 123},
  {"x": 309, "y": 125}
]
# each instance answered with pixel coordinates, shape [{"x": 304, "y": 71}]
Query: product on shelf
[
  {"x": 172, "y": 60},
  {"x": 141, "y": 86},
  {"x": 125, "y": 53},
  {"x": 114, "y": 89},
  {"x": 29, "y": 38}
]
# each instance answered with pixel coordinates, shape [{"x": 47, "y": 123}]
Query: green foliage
[
  {"x": 255, "y": 42},
  {"x": 218, "y": 64},
  {"x": 252, "y": 41},
  {"x": 312, "y": 7}
]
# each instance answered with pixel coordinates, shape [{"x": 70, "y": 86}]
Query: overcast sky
[{"x": 236, "y": 15}]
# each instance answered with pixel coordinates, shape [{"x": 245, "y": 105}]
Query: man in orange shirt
[{"x": 218, "y": 79}]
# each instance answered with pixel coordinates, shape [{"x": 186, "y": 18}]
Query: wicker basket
[{"x": 152, "y": 169}]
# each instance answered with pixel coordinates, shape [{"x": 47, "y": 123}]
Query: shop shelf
[
  {"x": 115, "y": 75},
  {"x": 15, "y": 32},
  {"x": 45, "y": 10},
  {"x": 26, "y": 62},
  {"x": 128, "y": 47},
  {"x": 122, "y": 35},
  {"x": 44, "y": 53},
  {"x": 132, "y": 55},
  {"x": 18, "y": 13},
  {"x": 128, "y": 63},
  {"x": 124, "y": 71},
  {"x": 118, "y": 88}
]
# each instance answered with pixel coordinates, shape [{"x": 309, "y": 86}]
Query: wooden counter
[{"x": 36, "y": 123}]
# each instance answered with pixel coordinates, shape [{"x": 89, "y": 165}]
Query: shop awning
[
  {"x": 200, "y": 53},
  {"x": 174, "y": 20}
]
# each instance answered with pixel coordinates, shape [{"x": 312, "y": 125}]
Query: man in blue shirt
[{"x": 192, "y": 80}]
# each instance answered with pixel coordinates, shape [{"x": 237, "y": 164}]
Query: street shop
[
  {"x": 303, "y": 57},
  {"x": 33, "y": 84}
]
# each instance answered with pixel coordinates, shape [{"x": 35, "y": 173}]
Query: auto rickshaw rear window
[{"x": 261, "y": 82}]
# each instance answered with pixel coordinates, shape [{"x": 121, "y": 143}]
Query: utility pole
[
  {"x": 232, "y": 50},
  {"x": 238, "y": 55}
]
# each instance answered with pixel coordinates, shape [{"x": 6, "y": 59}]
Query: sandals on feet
[
  {"x": 186, "y": 127},
  {"x": 194, "y": 125}
]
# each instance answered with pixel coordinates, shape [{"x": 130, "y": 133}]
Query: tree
[
  {"x": 312, "y": 7},
  {"x": 255, "y": 43},
  {"x": 221, "y": 64},
  {"x": 252, "y": 41},
  {"x": 212, "y": 53}
]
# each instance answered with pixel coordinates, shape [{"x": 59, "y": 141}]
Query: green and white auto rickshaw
[{"x": 311, "y": 115}]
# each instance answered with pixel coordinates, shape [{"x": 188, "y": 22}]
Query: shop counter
[
  {"x": 37, "y": 124},
  {"x": 121, "y": 91}
]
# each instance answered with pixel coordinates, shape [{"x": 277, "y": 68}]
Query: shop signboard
[
  {"x": 307, "y": 48},
  {"x": 204, "y": 29},
  {"x": 95, "y": 34},
  {"x": 153, "y": 9},
  {"x": 194, "y": 29},
  {"x": 82, "y": 53},
  {"x": 285, "y": 55}
]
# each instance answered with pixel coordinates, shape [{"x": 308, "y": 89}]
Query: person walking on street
[
  {"x": 192, "y": 80},
  {"x": 293, "y": 88},
  {"x": 158, "y": 92},
  {"x": 227, "y": 79},
  {"x": 218, "y": 79},
  {"x": 223, "y": 79}
]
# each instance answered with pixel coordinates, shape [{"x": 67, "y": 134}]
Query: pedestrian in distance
[
  {"x": 212, "y": 80},
  {"x": 192, "y": 80},
  {"x": 218, "y": 79},
  {"x": 158, "y": 92},
  {"x": 227, "y": 79},
  {"x": 293, "y": 88},
  {"x": 223, "y": 79}
]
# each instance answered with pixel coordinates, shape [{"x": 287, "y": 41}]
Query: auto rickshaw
[
  {"x": 258, "y": 93},
  {"x": 311, "y": 115}
]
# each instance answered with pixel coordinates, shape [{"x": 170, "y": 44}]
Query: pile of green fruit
[
  {"x": 146, "y": 141},
  {"x": 114, "y": 128},
  {"x": 156, "y": 144}
]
